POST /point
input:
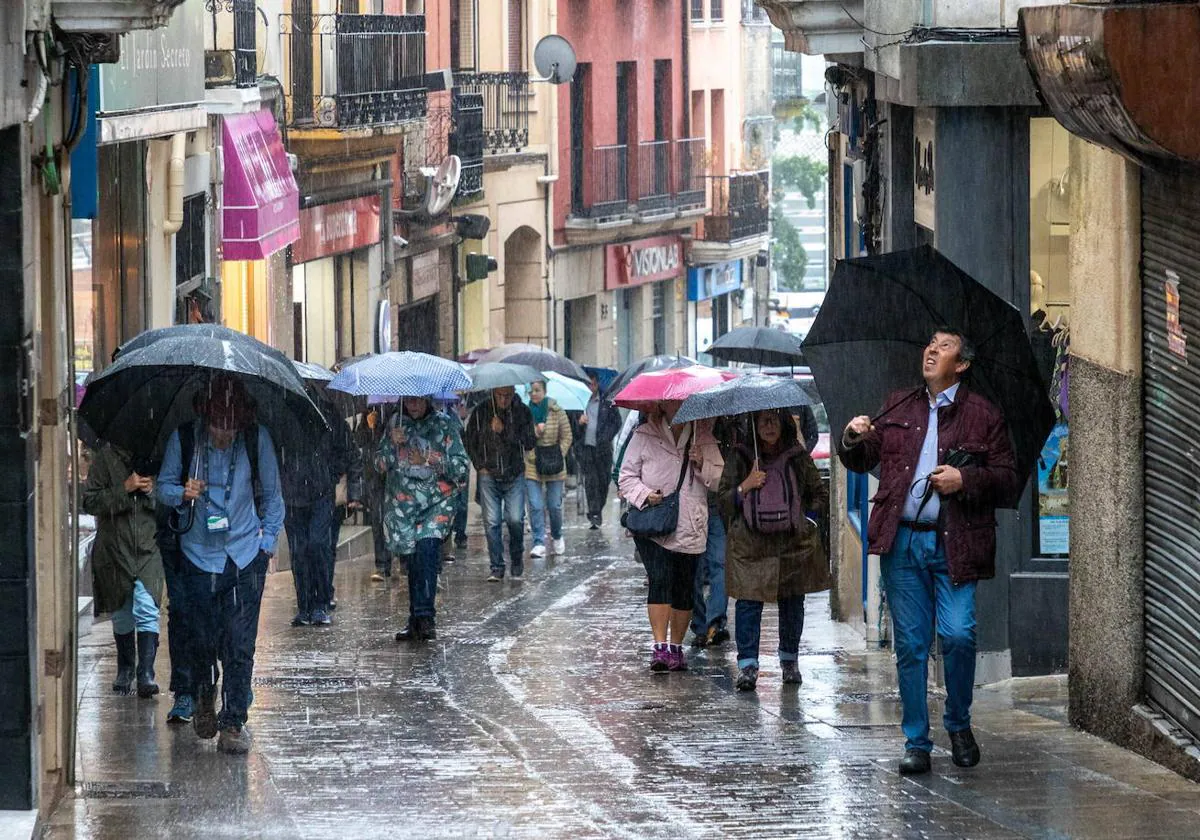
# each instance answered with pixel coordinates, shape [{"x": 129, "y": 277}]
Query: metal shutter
[{"x": 1171, "y": 247}]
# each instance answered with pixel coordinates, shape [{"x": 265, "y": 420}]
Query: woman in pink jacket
[{"x": 650, "y": 472}]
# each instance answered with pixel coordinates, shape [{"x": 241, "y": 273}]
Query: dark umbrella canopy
[
  {"x": 746, "y": 394},
  {"x": 646, "y": 365},
  {"x": 879, "y": 315},
  {"x": 148, "y": 391},
  {"x": 536, "y": 357},
  {"x": 757, "y": 346}
]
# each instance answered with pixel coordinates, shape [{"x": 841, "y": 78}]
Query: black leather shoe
[
  {"x": 964, "y": 749},
  {"x": 427, "y": 628},
  {"x": 411, "y": 631},
  {"x": 914, "y": 763}
]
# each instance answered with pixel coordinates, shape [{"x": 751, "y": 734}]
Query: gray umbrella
[
  {"x": 485, "y": 377},
  {"x": 541, "y": 358},
  {"x": 758, "y": 346},
  {"x": 746, "y": 394},
  {"x": 312, "y": 372}
]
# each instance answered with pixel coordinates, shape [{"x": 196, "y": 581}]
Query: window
[
  {"x": 464, "y": 32},
  {"x": 698, "y": 10},
  {"x": 516, "y": 35},
  {"x": 716, "y": 10}
]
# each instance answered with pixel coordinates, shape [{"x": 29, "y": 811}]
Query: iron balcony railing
[
  {"x": 350, "y": 71},
  {"x": 654, "y": 175},
  {"x": 690, "y": 169},
  {"x": 506, "y": 101},
  {"x": 467, "y": 140},
  {"x": 785, "y": 73},
  {"x": 666, "y": 175},
  {"x": 606, "y": 192},
  {"x": 741, "y": 206},
  {"x": 230, "y": 51}
]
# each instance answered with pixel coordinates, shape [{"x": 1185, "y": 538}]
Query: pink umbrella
[{"x": 670, "y": 384}]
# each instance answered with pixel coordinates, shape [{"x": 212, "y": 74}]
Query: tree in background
[
  {"x": 788, "y": 257},
  {"x": 799, "y": 173}
]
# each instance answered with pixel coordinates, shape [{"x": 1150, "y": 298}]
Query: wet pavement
[{"x": 534, "y": 715}]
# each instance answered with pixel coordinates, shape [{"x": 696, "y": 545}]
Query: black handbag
[
  {"x": 663, "y": 518},
  {"x": 548, "y": 460}
]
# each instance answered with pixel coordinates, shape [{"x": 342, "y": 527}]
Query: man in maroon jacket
[{"x": 945, "y": 465}]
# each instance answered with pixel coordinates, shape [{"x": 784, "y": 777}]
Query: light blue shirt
[
  {"x": 247, "y": 534},
  {"x": 926, "y": 464}
]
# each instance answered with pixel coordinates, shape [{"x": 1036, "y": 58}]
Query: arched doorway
[{"x": 524, "y": 288}]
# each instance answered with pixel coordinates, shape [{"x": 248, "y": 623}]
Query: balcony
[
  {"x": 467, "y": 140},
  {"x": 654, "y": 176},
  {"x": 741, "y": 206},
  {"x": 690, "y": 168},
  {"x": 506, "y": 98},
  {"x": 786, "y": 81},
  {"x": 819, "y": 27},
  {"x": 353, "y": 71},
  {"x": 111, "y": 16},
  {"x": 230, "y": 51}
]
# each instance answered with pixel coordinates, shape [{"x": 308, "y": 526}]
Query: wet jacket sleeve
[
  {"x": 862, "y": 455},
  {"x": 525, "y": 432},
  {"x": 735, "y": 472},
  {"x": 456, "y": 466},
  {"x": 104, "y": 493},
  {"x": 167, "y": 487},
  {"x": 473, "y": 437},
  {"x": 272, "y": 500},
  {"x": 564, "y": 431},
  {"x": 816, "y": 494},
  {"x": 995, "y": 482},
  {"x": 630, "y": 480},
  {"x": 610, "y": 424}
]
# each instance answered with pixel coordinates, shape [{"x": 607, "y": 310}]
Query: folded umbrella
[
  {"x": 148, "y": 391},
  {"x": 664, "y": 362},
  {"x": 746, "y": 394},
  {"x": 877, "y": 319},
  {"x": 570, "y": 394},
  {"x": 401, "y": 374},
  {"x": 669, "y": 384},
  {"x": 540, "y": 358},
  {"x": 763, "y": 346},
  {"x": 489, "y": 375}
]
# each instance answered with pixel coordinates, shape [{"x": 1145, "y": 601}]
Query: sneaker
[
  {"x": 560, "y": 546},
  {"x": 517, "y": 572},
  {"x": 183, "y": 709},
  {"x": 538, "y": 551},
  {"x": 660, "y": 659},
  {"x": 495, "y": 577},
  {"x": 449, "y": 558},
  {"x": 302, "y": 620},
  {"x": 332, "y": 606},
  {"x": 321, "y": 618},
  {"x": 791, "y": 672},
  {"x": 204, "y": 720},
  {"x": 677, "y": 660},
  {"x": 377, "y": 577},
  {"x": 748, "y": 678},
  {"x": 234, "y": 740}
]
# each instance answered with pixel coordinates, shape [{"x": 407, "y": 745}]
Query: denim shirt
[
  {"x": 926, "y": 464},
  {"x": 246, "y": 534}
]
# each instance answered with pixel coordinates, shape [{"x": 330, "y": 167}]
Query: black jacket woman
[{"x": 774, "y": 551}]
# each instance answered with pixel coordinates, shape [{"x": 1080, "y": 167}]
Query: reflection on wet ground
[{"x": 534, "y": 715}]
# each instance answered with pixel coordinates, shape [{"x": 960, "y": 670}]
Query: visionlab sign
[{"x": 643, "y": 261}]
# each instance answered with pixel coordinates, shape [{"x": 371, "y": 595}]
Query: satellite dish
[
  {"x": 554, "y": 58},
  {"x": 442, "y": 186}
]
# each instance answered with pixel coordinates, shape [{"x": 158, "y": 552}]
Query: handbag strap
[{"x": 687, "y": 449}]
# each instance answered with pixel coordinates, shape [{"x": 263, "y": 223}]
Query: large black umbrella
[
  {"x": 148, "y": 391},
  {"x": 646, "y": 365},
  {"x": 879, "y": 315},
  {"x": 763, "y": 346},
  {"x": 746, "y": 394},
  {"x": 536, "y": 357}
]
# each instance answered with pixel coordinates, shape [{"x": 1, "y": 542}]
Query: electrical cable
[{"x": 866, "y": 28}]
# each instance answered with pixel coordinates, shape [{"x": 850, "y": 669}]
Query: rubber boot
[
  {"x": 126, "y": 663},
  {"x": 147, "y": 649}
]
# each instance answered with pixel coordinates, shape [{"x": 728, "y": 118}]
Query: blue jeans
[
  {"x": 308, "y": 529},
  {"x": 178, "y": 631},
  {"x": 423, "y": 568},
  {"x": 919, "y": 591},
  {"x": 224, "y": 623},
  {"x": 713, "y": 610},
  {"x": 504, "y": 504},
  {"x": 139, "y": 613},
  {"x": 747, "y": 622},
  {"x": 461, "y": 503},
  {"x": 542, "y": 502}
]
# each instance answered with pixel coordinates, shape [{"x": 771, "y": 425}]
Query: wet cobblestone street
[{"x": 534, "y": 715}]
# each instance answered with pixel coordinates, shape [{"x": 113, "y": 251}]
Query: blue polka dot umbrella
[{"x": 401, "y": 374}]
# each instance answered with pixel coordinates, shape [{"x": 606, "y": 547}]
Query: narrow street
[{"x": 534, "y": 715}]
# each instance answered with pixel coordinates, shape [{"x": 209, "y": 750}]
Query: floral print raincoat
[{"x": 422, "y": 476}]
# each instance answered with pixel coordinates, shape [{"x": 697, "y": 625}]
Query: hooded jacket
[{"x": 501, "y": 455}]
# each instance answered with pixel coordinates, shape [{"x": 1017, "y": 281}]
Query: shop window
[{"x": 244, "y": 297}]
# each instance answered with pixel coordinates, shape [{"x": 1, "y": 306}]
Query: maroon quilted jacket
[{"x": 968, "y": 518}]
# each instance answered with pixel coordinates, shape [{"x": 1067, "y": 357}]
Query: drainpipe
[
  {"x": 174, "y": 219},
  {"x": 685, "y": 65},
  {"x": 548, "y": 181}
]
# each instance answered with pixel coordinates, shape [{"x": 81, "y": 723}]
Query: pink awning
[{"x": 262, "y": 202}]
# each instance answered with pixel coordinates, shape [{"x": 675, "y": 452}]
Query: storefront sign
[
  {"x": 708, "y": 281},
  {"x": 924, "y": 169},
  {"x": 158, "y": 67},
  {"x": 1176, "y": 340},
  {"x": 425, "y": 275},
  {"x": 329, "y": 229},
  {"x": 1054, "y": 522},
  {"x": 644, "y": 261}
]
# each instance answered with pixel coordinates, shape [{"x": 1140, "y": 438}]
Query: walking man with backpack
[{"x": 220, "y": 477}]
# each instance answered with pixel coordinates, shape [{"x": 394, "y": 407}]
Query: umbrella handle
[{"x": 176, "y": 526}]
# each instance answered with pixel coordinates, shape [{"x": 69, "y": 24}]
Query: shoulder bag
[{"x": 661, "y": 519}]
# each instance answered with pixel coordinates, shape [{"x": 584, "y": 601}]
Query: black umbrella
[
  {"x": 645, "y": 366},
  {"x": 879, "y": 315},
  {"x": 536, "y": 357},
  {"x": 758, "y": 346},
  {"x": 148, "y": 391},
  {"x": 746, "y": 394}
]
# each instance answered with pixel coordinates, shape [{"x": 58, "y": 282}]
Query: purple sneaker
[
  {"x": 660, "y": 660},
  {"x": 676, "y": 660}
]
